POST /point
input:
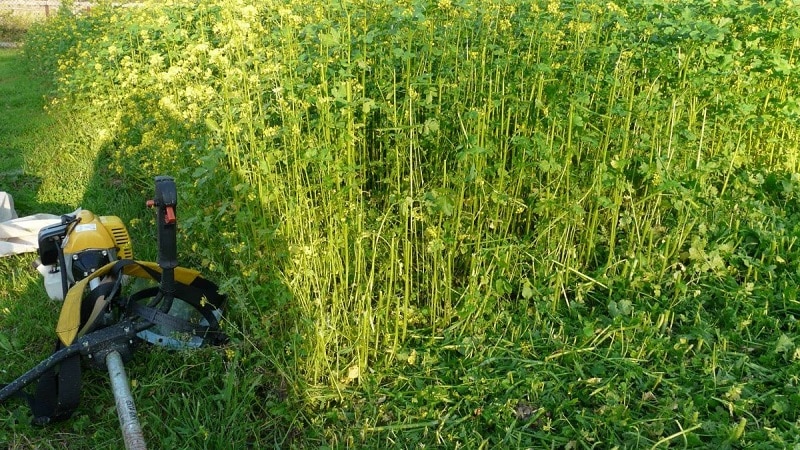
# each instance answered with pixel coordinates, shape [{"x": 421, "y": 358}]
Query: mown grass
[
  {"x": 468, "y": 223},
  {"x": 22, "y": 106}
]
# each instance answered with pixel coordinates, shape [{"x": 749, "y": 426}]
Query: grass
[
  {"x": 22, "y": 112},
  {"x": 579, "y": 237}
]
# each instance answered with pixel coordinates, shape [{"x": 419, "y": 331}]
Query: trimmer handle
[{"x": 166, "y": 204}]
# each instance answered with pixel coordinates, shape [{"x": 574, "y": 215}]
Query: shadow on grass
[
  {"x": 24, "y": 187},
  {"x": 206, "y": 398}
]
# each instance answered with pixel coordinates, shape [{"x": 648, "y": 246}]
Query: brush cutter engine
[
  {"x": 77, "y": 247},
  {"x": 86, "y": 260}
]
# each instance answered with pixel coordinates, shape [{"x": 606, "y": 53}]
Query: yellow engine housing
[{"x": 93, "y": 232}]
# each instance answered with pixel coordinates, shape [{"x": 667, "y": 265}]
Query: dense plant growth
[{"x": 477, "y": 222}]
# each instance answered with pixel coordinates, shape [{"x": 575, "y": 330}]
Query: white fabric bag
[{"x": 20, "y": 235}]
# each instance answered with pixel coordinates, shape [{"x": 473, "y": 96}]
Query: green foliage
[{"x": 478, "y": 222}]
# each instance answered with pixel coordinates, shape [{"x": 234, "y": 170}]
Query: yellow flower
[
  {"x": 249, "y": 12},
  {"x": 156, "y": 60}
]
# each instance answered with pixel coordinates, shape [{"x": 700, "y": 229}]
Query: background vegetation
[
  {"x": 12, "y": 28},
  {"x": 463, "y": 223}
]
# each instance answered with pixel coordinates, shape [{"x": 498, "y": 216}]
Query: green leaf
[
  {"x": 431, "y": 126},
  {"x": 212, "y": 125},
  {"x": 612, "y": 308},
  {"x": 784, "y": 344},
  {"x": 502, "y": 286},
  {"x": 330, "y": 39},
  {"x": 527, "y": 290},
  {"x": 621, "y": 308}
]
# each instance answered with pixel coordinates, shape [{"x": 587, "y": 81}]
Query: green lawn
[{"x": 22, "y": 126}]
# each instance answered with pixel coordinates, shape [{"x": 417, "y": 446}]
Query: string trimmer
[{"x": 91, "y": 257}]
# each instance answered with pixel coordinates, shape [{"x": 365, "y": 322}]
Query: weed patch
[{"x": 474, "y": 223}]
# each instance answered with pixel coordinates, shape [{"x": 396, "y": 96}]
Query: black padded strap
[{"x": 58, "y": 391}]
